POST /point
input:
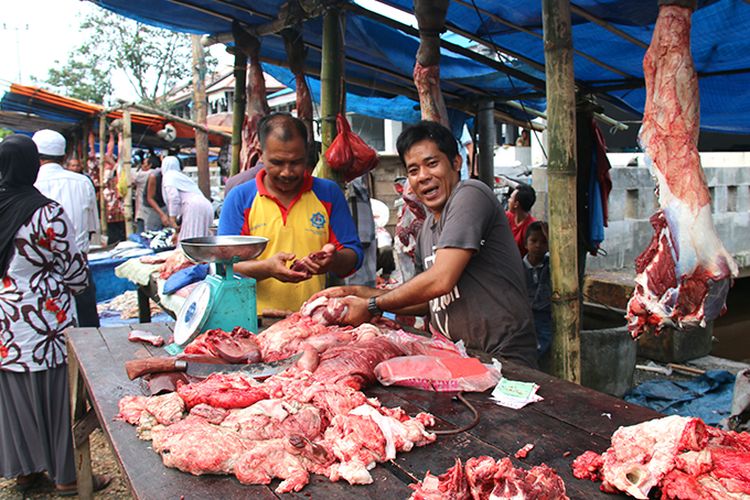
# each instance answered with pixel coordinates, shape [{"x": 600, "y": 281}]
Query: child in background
[{"x": 538, "y": 283}]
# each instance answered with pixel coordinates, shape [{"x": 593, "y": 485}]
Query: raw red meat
[
  {"x": 451, "y": 485},
  {"x": 175, "y": 262},
  {"x": 427, "y": 81},
  {"x": 354, "y": 364},
  {"x": 324, "y": 310},
  {"x": 276, "y": 418},
  {"x": 141, "y": 336},
  {"x": 194, "y": 445},
  {"x": 480, "y": 476},
  {"x": 523, "y": 452},
  {"x": 483, "y": 478},
  {"x": 680, "y": 456},
  {"x": 539, "y": 483},
  {"x": 280, "y": 458},
  {"x": 131, "y": 409},
  {"x": 237, "y": 346},
  {"x": 257, "y": 105},
  {"x": 223, "y": 390},
  {"x": 684, "y": 274},
  {"x": 212, "y": 415},
  {"x": 411, "y": 216},
  {"x": 166, "y": 408}
]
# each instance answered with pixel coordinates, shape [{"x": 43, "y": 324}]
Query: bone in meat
[{"x": 683, "y": 276}]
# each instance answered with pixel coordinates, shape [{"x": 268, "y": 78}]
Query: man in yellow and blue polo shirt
[{"x": 298, "y": 213}]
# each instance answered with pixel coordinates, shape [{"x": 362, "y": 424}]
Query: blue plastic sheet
[
  {"x": 708, "y": 396},
  {"x": 720, "y": 44},
  {"x": 184, "y": 277}
]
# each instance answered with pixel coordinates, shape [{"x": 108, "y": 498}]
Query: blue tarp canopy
[{"x": 609, "y": 36}]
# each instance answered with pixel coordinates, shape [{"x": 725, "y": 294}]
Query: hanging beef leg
[
  {"x": 257, "y": 106},
  {"x": 684, "y": 275},
  {"x": 430, "y": 16},
  {"x": 296, "y": 52}
]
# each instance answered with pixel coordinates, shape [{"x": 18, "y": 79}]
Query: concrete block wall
[{"x": 632, "y": 201}]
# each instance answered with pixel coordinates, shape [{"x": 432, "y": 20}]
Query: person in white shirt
[{"x": 77, "y": 196}]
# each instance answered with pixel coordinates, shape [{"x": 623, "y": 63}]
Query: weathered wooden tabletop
[{"x": 570, "y": 420}]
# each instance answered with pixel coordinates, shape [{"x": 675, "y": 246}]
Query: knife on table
[{"x": 139, "y": 367}]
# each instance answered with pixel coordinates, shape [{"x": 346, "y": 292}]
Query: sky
[{"x": 36, "y": 33}]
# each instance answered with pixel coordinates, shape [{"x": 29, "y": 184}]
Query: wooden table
[{"x": 570, "y": 420}]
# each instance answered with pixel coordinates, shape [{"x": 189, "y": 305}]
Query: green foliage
[
  {"x": 153, "y": 59},
  {"x": 81, "y": 79},
  {"x": 5, "y": 132}
]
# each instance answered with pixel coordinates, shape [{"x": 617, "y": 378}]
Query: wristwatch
[{"x": 373, "y": 308}]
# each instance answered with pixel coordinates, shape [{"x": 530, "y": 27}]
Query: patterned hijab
[{"x": 19, "y": 199}]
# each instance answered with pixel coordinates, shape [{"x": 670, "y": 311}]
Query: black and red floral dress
[{"x": 36, "y": 294}]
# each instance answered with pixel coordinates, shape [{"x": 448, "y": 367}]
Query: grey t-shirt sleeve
[{"x": 467, "y": 217}]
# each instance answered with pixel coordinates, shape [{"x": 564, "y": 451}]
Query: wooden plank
[
  {"x": 82, "y": 449},
  {"x": 579, "y": 406},
  {"x": 500, "y": 433},
  {"x": 171, "y": 482},
  {"x": 83, "y": 427},
  {"x": 102, "y": 364},
  {"x": 144, "y": 308}
]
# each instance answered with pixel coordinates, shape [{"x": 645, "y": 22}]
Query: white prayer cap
[{"x": 49, "y": 142}]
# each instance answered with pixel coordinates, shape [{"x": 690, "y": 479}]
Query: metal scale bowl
[{"x": 222, "y": 300}]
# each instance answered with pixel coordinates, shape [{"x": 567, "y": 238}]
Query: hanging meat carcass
[
  {"x": 295, "y": 50},
  {"x": 431, "y": 19},
  {"x": 684, "y": 275},
  {"x": 257, "y": 105}
]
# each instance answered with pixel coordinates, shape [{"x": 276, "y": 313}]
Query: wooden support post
[
  {"x": 238, "y": 109},
  {"x": 81, "y": 449},
  {"x": 486, "y": 116},
  {"x": 102, "y": 147},
  {"x": 125, "y": 157},
  {"x": 331, "y": 84},
  {"x": 561, "y": 172},
  {"x": 199, "y": 115}
]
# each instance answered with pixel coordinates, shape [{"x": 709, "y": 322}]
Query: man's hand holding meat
[
  {"x": 471, "y": 280},
  {"x": 303, "y": 217}
]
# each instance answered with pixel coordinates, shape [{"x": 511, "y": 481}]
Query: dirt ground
[{"x": 103, "y": 462}]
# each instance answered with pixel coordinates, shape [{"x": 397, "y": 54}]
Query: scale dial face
[{"x": 193, "y": 314}]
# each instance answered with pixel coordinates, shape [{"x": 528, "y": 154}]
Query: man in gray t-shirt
[
  {"x": 488, "y": 307},
  {"x": 471, "y": 279}
]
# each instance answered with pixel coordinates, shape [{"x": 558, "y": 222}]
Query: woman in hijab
[
  {"x": 41, "y": 268},
  {"x": 185, "y": 202}
]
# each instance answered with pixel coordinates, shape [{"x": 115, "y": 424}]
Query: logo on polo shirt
[{"x": 318, "y": 220}]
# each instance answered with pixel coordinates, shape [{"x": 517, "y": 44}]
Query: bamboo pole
[
  {"x": 238, "y": 110},
  {"x": 102, "y": 202},
  {"x": 199, "y": 115},
  {"x": 331, "y": 84},
  {"x": 561, "y": 173},
  {"x": 125, "y": 158},
  {"x": 171, "y": 117}
]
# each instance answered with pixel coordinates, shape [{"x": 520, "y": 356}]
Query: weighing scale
[{"x": 222, "y": 301}]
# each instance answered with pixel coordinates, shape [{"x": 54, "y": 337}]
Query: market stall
[{"x": 570, "y": 420}]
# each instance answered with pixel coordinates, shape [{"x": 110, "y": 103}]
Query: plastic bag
[
  {"x": 348, "y": 153},
  {"x": 440, "y": 374},
  {"x": 339, "y": 154}
]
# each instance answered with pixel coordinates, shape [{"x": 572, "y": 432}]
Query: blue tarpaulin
[
  {"x": 606, "y": 63},
  {"x": 708, "y": 396}
]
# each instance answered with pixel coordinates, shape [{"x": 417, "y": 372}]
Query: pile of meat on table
[
  {"x": 484, "y": 478},
  {"x": 680, "y": 457},
  {"x": 311, "y": 418}
]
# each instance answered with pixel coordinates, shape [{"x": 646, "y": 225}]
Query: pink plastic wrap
[{"x": 440, "y": 374}]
